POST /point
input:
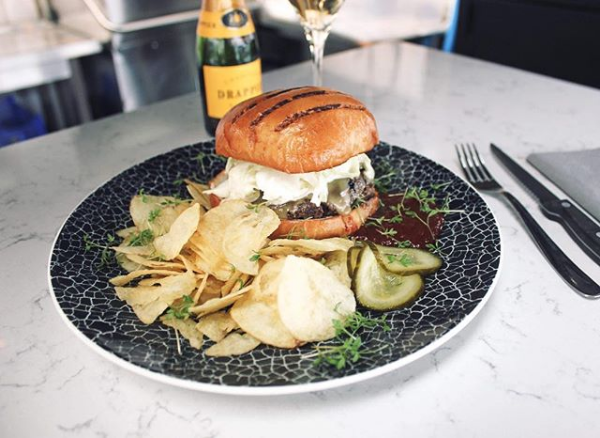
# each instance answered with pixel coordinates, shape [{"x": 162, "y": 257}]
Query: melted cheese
[{"x": 248, "y": 181}]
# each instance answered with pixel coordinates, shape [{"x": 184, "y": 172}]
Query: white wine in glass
[{"x": 316, "y": 16}]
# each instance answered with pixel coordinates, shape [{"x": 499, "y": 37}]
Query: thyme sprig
[
  {"x": 142, "y": 193},
  {"x": 106, "y": 254},
  {"x": 385, "y": 175},
  {"x": 181, "y": 308},
  {"x": 349, "y": 347},
  {"x": 256, "y": 207},
  {"x": 142, "y": 238},
  {"x": 404, "y": 259},
  {"x": 173, "y": 202},
  {"x": 434, "y": 248},
  {"x": 154, "y": 214}
]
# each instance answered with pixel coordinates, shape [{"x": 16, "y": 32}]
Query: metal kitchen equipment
[{"x": 153, "y": 47}]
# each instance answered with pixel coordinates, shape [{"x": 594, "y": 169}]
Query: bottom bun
[{"x": 334, "y": 226}]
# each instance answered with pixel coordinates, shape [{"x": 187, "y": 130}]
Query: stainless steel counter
[{"x": 37, "y": 52}]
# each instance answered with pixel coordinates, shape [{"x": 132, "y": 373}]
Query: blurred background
[{"x": 67, "y": 62}]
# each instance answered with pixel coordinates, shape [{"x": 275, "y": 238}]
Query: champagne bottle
[{"x": 229, "y": 66}]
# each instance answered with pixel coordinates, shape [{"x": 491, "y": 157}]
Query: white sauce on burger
[{"x": 248, "y": 181}]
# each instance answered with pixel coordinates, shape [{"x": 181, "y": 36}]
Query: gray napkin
[{"x": 575, "y": 173}]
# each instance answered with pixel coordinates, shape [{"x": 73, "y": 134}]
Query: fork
[{"x": 480, "y": 177}]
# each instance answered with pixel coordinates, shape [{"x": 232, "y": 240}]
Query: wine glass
[{"x": 316, "y": 17}]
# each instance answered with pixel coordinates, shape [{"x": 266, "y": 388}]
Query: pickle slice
[
  {"x": 352, "y": 259},
  {"x": 379, "y": 289},
  {"x": 407, "y": 261}
]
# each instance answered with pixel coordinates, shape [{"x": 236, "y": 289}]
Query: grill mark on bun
[
  {"x": 293, "y": 118},
  {"x": 285, "y": 101},
  {"x": 243, "y": 111},
  {"x": 257, "y": 101}
]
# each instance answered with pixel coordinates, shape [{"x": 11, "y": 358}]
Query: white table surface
[{"x": 527, "y": 366}]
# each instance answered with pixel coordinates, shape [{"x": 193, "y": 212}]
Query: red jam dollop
[{"x": 399, "y": 221}]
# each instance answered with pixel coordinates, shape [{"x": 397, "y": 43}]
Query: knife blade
[{"x": 583, "y": 230}]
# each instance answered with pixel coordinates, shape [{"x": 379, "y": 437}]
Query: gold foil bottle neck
[{"x": 222, "y": 5}]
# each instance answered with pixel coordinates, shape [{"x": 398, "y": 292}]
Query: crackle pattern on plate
[{"x": 470, "y": 242}]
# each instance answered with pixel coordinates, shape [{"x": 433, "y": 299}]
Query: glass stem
[{"x": 316, "y": 41}]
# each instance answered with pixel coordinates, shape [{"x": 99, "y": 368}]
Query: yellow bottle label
[
  {"x": 227, "y": 86},
  {"x": 225, "y": 24}
]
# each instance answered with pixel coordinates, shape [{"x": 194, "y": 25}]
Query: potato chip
[
  {"x": 187, "y": 329},
  {"x": 212, "y": 255},
  {"x": 193, "y": 255},
  {"x": 169, "y": 245},
  {"x": 208, "y": 288},
  {"x": 122, "y": 280},
  {"x": 149, "y": 302},
  {"x": 200, "y": 287},
  {"x": 216, "y": 325},
  {"x": 231, "y": 283},
  {"x": 158, "y": 264},
  {"x": 196, "y": 191},
  {"x": 194, "y": 266},
  {"x": 246, "y": 235},
  {"x": 310, "y": 297},
  {"x": 315, "y": 246},
  {"x": 257, "y": 312},
  {"x": 277, "y": 251},
  {"x": 156, "y": 213},
  {"x": 213, "y": 287},
  {"x": 208, "y": 240},
  {"x": 233, "y": 344},
  {"x": 185, "y": 258},
  {"x": 208, "y": 294},
  {"x": 216, "y": 304},
  {"x": 149, "y": 281},
  {"x": 126, "y": 232},
  {"x": 337, "y": 261},
  {"x": 146, "y": 250},
  {"x": 126, "y": 263}
]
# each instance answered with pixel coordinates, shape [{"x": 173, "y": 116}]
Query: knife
[{"x": 583, "y": 230}]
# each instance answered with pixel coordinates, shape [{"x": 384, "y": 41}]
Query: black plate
[{"x": 470, "y": 243}]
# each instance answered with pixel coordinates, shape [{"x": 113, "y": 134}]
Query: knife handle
[
  {"x": 574, "y": 276},
  {"x": 581, "y": 228}
]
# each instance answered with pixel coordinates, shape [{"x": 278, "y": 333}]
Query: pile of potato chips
[{"x": 214, "y": 273}]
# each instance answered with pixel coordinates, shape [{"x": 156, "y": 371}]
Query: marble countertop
[{"x": 526, "y": 366}]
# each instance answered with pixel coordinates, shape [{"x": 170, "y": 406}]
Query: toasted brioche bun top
[{"x": 299, "y": 130}]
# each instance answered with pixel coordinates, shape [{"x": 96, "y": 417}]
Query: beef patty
[{"x": 359, "y": 190}]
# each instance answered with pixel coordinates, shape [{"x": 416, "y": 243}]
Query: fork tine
[
  {"x": 460, "y": 151},
  {"x": 479, "y": 176},
  {"x": 480, "y": 163}
]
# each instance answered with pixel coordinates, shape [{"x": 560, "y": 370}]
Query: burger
[{"x": 302, "y": 152}]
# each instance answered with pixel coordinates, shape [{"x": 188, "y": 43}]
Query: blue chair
[
  {"x": 450, "y": 36},
  {"x": 17, "y": 123}
]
